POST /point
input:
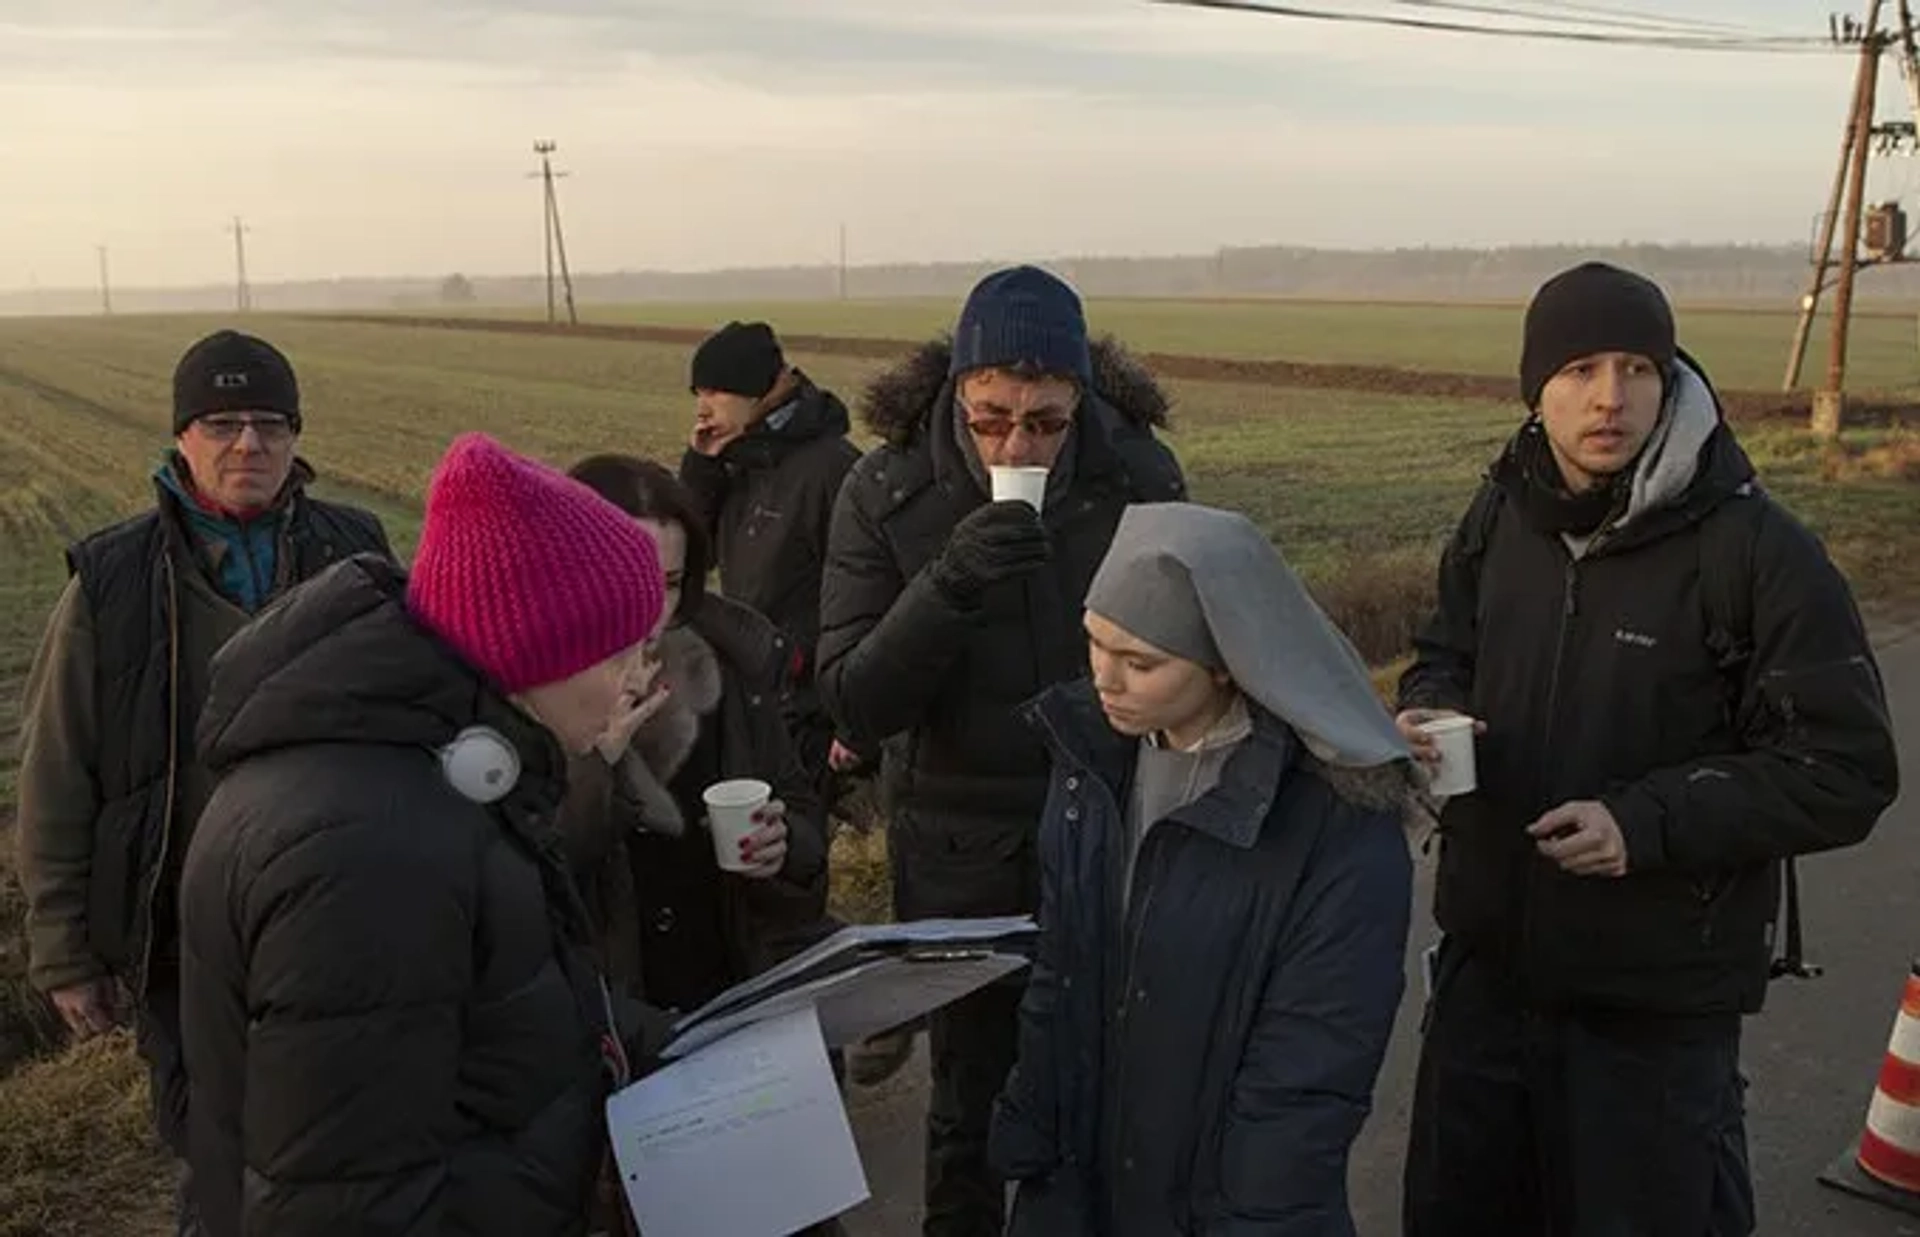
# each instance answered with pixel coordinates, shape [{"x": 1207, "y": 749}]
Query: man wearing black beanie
[
  {"x": 1674, "y": 695},
  {"x": 109, "y": 785},
  {"x": 768, "y": 452}
]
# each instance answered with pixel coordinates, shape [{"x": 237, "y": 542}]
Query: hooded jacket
[
  {"x": 391, "y": 1022},
  {"x": 938, "y": 685},
  {"x": 1203, "y": 1027},
  {"x": 1594, "y": 664}
]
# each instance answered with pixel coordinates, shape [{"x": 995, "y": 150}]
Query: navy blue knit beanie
[{"x": 1023, "y": 314}]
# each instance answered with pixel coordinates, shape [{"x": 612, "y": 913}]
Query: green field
[
  {"x": 1741, "y": 348},
  {"x": 1348, "y": 482},
  {"x": 1358, "y": 488}
]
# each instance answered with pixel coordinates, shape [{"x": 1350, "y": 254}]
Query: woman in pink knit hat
[{"x": 391, "y": 1021}]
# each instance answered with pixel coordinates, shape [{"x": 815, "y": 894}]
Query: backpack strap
[
  {"x": 1727, "y": 539},
  {"x": 1477, "y": 525}
]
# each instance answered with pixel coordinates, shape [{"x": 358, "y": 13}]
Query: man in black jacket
[
  {"x": 1675, "y": 693},
  {"x": 109, "y": 786},
  {"x": 942, "y": 612},
  {"x": 767, "y": 456}
]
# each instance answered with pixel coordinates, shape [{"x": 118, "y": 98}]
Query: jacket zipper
[
  {"x": 173, "y": 770},
  {"x": 1136, "y": 928},
  {"x": 1569, "y": 609}
]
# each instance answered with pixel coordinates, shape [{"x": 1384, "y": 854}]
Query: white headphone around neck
[{"x": 480, "y": 764}]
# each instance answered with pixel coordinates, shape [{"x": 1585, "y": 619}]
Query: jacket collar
[
  {"x": 808, "y": 414},
  {"x": 1720, "y": 470},
  {"x": 1235, "y": 811},
  {"x": 173, "y": 487},
  {"x": 740, "y": 637}
]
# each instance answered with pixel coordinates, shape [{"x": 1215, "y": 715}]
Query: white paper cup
[
  {"x": 730, "y": 809},
  {"x": 1023, "y": 485},
  {"x": 1455, "y": 774}
]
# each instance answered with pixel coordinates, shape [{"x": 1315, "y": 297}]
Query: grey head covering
[{"x": 1207, "y": 585}]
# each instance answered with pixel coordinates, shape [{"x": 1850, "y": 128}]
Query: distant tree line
[{"x": 1770, "y": 275}]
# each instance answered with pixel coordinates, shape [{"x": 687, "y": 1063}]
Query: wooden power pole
[
  {"x": 556, "y": 242},
  {"x": 242, "y": 290},
  {"x": 1845, "y": 216}
]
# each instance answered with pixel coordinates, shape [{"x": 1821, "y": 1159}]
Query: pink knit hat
[{"x": 529, "y": 575}]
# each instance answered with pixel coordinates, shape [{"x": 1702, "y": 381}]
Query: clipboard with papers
[
  {"x": 746, "y": 1080},
  {"x": 867, "y": 979}
]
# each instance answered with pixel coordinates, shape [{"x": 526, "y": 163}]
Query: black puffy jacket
[
  {"x": 389, "y": 1026},
  {"x": 1605, "y": 677},
  {"x": 768, "y": 501},
  {"x": 939, "y": 685}
]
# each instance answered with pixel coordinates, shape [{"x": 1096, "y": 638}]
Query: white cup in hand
[
  {"x": 731, "y": 807},
  {"x": 1019, "y": 484},
  {"x": 1455, "y": 772}
]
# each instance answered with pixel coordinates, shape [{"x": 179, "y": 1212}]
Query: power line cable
[
  {"x": 1787, "y": 44},
  {"x": 1593, "y": 15}
]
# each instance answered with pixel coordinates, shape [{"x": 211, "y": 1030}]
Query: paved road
[{"x": 1812, "y": 1056}]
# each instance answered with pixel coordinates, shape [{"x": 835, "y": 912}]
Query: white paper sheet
[{"x": 745, "y": 1137}]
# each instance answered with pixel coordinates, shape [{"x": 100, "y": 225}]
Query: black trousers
[
  {"x": 972, "y": 1044},
  {"x": 1535, "y": 1124},
  {"x": 157, "y": 1036}
]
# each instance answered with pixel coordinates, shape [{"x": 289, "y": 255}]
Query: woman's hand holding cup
[{"x": 764, "y": 852}]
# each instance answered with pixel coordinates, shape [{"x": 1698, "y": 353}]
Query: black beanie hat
[
  {"x": 231, "y": 372},
  {"x": 1589, "y": 309},
  {"x": 742, "y": 358}
]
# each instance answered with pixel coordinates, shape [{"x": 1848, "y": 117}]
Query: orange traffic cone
[{"x": 1884, "y": 1165}]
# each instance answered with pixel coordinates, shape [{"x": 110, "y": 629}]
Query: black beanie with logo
[
  {"x": 741, "y": 358},
  {"x": 231, "y": 372},
  {"x": 1590, "y": 309}
]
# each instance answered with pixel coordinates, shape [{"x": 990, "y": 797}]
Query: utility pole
[
  {"x": 243, "y": 294},
  {"x": 106, "y": 288},
  {"x": 555, "y": 240},
  {"x": 1829, "y": 401},
  {"x": 1845, "y": 216},
  {"x": 843, "y": 262}
]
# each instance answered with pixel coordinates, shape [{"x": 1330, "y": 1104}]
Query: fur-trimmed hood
[{"x": 897, "y": 401}]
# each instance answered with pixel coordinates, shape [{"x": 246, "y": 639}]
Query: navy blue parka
[{"x": 1199, "y": 1055}]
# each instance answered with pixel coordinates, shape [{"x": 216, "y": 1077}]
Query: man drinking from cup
[
  {"x": 1671, "y": 693},
  {"x": 953, "y": 594}
]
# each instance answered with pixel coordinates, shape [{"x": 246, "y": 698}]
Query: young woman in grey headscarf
[{"x": 1226, "y": 888}]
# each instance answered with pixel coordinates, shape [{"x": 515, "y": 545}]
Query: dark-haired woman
[{"x": 677, "y": 928}]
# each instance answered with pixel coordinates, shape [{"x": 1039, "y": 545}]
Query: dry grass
[
  {"x": 1380, "y": 601},
  {"x": 28, "y": 1027},
  {"x": 77, "y": 1155},
  {"x": 1894, "y": 457}
]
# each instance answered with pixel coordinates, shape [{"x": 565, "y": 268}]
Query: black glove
[{"x": 996, "y": 542}]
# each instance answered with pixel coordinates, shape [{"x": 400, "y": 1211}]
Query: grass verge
[{"x": 77, "y": 1153}]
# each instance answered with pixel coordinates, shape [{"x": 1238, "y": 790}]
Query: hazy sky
[{"x": 376, "y": 137}]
